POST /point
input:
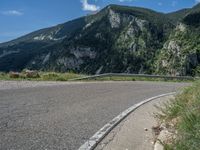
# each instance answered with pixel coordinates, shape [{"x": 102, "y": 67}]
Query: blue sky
[{"x": 19, "y": 17}]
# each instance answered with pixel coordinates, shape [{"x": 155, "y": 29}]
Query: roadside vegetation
[
  {"x": 129, "y": 78},
  {"x": 183, "y": 115},
  {"x": 69, "y": 76},
  {"x": 39, "y": 76}
]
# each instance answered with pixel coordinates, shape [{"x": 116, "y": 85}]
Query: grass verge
[
  {"x": 54, "y": 76},
  {"x": 42, "y": 76},
  {"x": 185, "y": 109}
]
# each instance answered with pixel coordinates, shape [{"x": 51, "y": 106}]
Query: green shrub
[
  {"x": 32, "y": 74},
  {"x": 49, "y": 76},
  {"x": 14, "y": 75},
  {"x": 186, "y": 106},
  {"x": 61, "y": 79}
]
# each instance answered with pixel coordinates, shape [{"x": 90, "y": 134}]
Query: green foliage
[
  {"x": 4, "y": 76},
  {"x": 135, "y": 46},
  {"x": 42, "y": 76},
  {"x": 196, "y": 71},
  {"x": 178, "y": 15},
  {"x": 184, "y": 59},
  {"x": 186, "y": 107},
  {"x": 192, "y": 19},
  {"x": 52, "y": 76}
]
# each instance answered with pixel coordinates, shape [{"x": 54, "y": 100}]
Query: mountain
[
  {"x": 16, "y": 54},
  {"x": 180, "y": 54},
  {"x": 178, "y": 15},
  {"x": 116, "y": 39}
]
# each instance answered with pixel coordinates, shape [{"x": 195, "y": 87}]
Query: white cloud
[
  {"x": 198, "y": 1},
  {"x": 89, "y": 7},
  {"x": 12, "y": 13}
]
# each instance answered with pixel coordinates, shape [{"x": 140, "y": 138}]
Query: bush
[
  {"x": 61, "y": 79},
  {"x": 50, "y": 76},
  {"x": 31, "y": 74},
  {"x": 14, "y": 75}
]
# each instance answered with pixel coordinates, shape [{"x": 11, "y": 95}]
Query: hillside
[
  {"x": 178, "y": 15},
  {"x": 116, "y": 39},
  {"x": 181, "y": 52}
]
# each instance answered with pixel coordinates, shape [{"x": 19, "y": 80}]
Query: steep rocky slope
[
  {"x": 116, "y": 39},
  {"x": 16, "y": 54},
  {"x": 181, "y": 53}
]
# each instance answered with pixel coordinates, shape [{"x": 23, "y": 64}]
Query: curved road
[{"x": 57, "y": 116}]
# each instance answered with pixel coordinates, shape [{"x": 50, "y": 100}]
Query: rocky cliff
[
  {"x": 116, "y": 39},
  {"x": 180, "y": 54}
]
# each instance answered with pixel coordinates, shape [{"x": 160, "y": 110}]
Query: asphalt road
[{"x": 64, "y": 116}]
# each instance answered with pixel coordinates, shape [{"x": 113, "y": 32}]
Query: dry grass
[{"x": 185, "y": 107}]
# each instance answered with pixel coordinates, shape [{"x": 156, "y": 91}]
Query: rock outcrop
[{"x": 116, "y": 39}]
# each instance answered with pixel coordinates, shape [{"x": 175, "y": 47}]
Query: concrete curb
[{"x": 99, "y": 135}]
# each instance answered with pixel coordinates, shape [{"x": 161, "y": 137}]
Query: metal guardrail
[{"x": 134, "y": 75}]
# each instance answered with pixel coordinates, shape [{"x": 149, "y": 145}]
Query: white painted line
[{"x": 98, "y": 136}]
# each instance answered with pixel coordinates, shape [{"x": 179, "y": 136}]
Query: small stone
[
  {"x": 157, "y": 129},
  {"x": 145, "y": 129}
]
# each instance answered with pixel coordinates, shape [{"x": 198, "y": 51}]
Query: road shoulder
[{"x": 135, "y": 132}]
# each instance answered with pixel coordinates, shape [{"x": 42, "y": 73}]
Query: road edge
[{"x": 105, "y": 130}]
